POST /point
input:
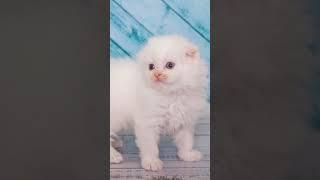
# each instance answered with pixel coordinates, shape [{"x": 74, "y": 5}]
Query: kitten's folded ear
[{"x": 192, "y": 51}]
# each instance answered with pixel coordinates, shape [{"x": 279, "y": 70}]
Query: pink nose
[{"x": 157, "y": 74}]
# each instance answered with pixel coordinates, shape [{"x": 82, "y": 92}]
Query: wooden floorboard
[{"x": 173, "y": 167}]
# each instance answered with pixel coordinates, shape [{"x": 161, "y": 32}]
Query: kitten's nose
[{"x": 157, "y": 74}]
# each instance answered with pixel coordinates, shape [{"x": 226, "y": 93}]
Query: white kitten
[{"x": 164, "y": 92}]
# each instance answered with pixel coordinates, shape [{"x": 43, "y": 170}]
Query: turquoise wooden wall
[{"x": 133, "y": 21}]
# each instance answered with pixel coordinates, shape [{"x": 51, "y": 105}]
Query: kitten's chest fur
[{"x": 173, "y": 113}]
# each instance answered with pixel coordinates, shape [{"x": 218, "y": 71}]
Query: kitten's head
[{"x": 171, "y": 62}]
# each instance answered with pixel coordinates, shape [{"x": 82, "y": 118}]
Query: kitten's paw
[
  {"x": 115, "y": 157},
  {"x": 192, "y": 155},
  {"x": 154, "y": 164}
]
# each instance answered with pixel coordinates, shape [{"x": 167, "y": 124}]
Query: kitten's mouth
[
  {"x": 161, "y": 81},
  {"x": 157, "y": 80}
]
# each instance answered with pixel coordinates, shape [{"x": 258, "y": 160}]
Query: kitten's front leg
[
  {"x": 147, "y": 140},
  {"x": 184, "y": 141}
]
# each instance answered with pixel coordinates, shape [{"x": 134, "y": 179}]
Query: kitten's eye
[
  {"x": 170, "y": 65},
  {"x": 151, "y": 67}
]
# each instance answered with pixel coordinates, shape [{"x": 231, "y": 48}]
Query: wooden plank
[
  {"x": 125, "y": 30},
  {"x": 163, "y": 20},
  {"x": 164, "y": 150},
  {"x": 134, "y": 164},
  {"x": 203, "y": 121},
  {"x": 166, "y": 153},
  {"x": 179, "y": 173},
  {"x": 166, "y": 141},
  {"x": 131, "y": 169},
  {"x": 165, "y": 156},
  {"x": 116, "y": 50},
  {"x": 196, "y": 13},
  {"x": 201, "y": 129}
]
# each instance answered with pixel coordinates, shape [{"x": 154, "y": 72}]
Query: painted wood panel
[
  {"x": 201, "y": 130},
  {"x": 117, "y": 51},
  {"x": 134, "y": 21},
  {"x": 195, "y": 13},
  {"x": 125, "y": 30},
  {"x": 162, "y": 19},
  {"x": 180, "y": 173},
  {"x": 173, "y": 167}
]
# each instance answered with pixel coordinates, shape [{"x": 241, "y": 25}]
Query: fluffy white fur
[{"x": 169, "y": 104}]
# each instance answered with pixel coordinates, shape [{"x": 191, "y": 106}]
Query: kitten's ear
[{"x": 192, "y": 51}]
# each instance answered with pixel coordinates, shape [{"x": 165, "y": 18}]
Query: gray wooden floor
[{"x": 173, "y": 167}]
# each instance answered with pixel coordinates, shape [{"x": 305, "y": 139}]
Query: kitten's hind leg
[
  {"x": 116, "y": 141},
  {"x": 184, "y": 141},
  {"x": 115, "y": 156}
]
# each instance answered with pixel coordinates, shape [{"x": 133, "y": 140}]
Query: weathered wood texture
[
  {"x": 132, "y": 22},
  {"x": 173, "y": 167}
]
